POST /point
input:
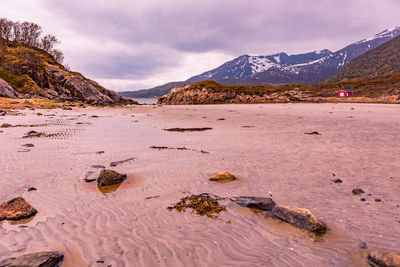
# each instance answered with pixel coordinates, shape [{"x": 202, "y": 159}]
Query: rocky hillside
[
  {"x": 30, "y": 68},
  {"x": 211, "y": 92},
  {"x": 382, "y": 60}
]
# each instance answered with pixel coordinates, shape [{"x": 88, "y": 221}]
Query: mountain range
[{"x": 281, "y": 68}]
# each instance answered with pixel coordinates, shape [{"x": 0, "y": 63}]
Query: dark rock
[
  {"x": 39, "y": 259},
  {"x": 312, "y": 133},
  {"x": 116, "y": 163},
  {"x": 28, "y": 145},
  {"x": 16, "y": 209},
  {"x": 363, "y": 199},
  {"x": 99, "y": 261},
  {"x": 381, "y": 258},
  {"x": 98, "y": 166},
  {"x": 31, "y": 189},
  {"x": 357, "y": 191},
  {"x": 337, "y": 181},
  {"x": 6, "y": 125},
  {"x": 204, "y": 152},
  {"x": 260, "y": 203},
  {"x": 188, "y": 129},
  {"x": 302, "y": 218},
  {"x": 223, "y": 177},
  {"x": 89, "y": 180},
  {"x": 378, "y": 199},
  {"x": 7, "y": 91},
  {"x": 363, "y": 245},
  {"x": 2, "y": 113},
  {"x": 221, "y": 119},
  {"x": 110, "y": 177},
  {"x": 32, "y": 134}
]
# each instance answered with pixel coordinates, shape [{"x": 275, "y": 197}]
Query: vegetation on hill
[
  {"x": 30, "y": 67},
  {"x": 382, "y": 60}
]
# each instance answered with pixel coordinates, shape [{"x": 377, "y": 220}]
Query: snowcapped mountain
[{"x": 281, "y": 68}]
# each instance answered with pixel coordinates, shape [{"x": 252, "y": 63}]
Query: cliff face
[
  {"x": 210, "y": 93},
  {"x": 27, "y": 72}
]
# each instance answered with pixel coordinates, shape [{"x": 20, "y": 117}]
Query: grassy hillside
[{"x": 382, "y": 60}]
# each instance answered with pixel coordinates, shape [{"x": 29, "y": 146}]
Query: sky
[{"x": 138, "y": 44}]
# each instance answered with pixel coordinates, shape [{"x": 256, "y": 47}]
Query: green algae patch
[{"x": 203, "y": 204}]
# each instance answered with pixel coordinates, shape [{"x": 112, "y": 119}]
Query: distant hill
[
  {"x": 153, "y": 92},
  {"x": 280, "y": 69},
  {"x": 382, "y": 60}
]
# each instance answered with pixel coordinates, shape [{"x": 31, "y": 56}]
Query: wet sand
[{"x": 264, "y": 145}]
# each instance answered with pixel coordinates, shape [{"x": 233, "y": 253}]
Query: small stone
[
  {"x": 302, "y": 218},
  {"x": 110, "y": 177},
  {"x": 42, "y": 259},
  {"x": 16, "y": 209},
  {"x": 337, "y": 181},
  {"x": 378, "y": 200},
  {"x": 363, "y": 245},
  {"x": 31, "y": 189},
  {"x": 223, "y": 177},
  {"x": 362, "y": 199},
  {"x": 260, "y": 203},
  {"x": 28, "y": 145},
  {"x": 384, "y": 258},
  {"x": 6, "y": 125},
  {"x": 357, "y": 191},
  {"x": 98, "y": 166},
  {"x": 2, "y": 113},
  {"x": 312, "y": 133}
]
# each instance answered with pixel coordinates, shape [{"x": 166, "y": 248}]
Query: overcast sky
[{"x": 136, "y": 44}]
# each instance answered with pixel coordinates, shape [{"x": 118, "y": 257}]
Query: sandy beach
[{"x": 264, "y": 145}]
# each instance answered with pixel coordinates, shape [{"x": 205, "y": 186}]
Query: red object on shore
[{"x": 345, "y": 93}]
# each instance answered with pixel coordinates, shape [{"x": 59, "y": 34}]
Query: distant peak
[{"x": 391, "y": 32}]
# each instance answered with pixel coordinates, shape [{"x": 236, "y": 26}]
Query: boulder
[
  {"x": 39, "y": 259},
  {"x": 16, "y": 209},
  {"x": 110, "y": 177},
  {"x": 260, "y": 203},
  {"x": 7, "y": 91},
  {"x": 223, "y": 177},
  {"x": 302, "y": 218},
  {"x": 386, "y": 258}
]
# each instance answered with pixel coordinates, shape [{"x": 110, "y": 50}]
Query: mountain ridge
[{"x": 281, "y": 68}]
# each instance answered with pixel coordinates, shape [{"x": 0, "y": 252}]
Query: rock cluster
[{"x": 191, "y": 94}]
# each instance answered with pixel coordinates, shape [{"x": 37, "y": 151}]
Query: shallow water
[{"x": 273, "y": 157}]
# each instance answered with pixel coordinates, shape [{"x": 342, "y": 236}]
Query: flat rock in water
[
  {"x": 381, "y": 258},
  {"x": 16, "y": 209},
  {"x": 110, "y": 177},
  {"x": 223, "y": 177},
  {"x": 260, "y": 203},
  {"x": 302, "y": 218},
  {"x": 116, "y": 163},
  {"x": 39, "y": 259}
]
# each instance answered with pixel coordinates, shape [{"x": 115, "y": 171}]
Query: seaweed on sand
[{"x": 202, "y": 204}]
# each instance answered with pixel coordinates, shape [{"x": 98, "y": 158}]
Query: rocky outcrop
[
  {"x": 110, "y": 177},
  {"x": 199, "y": 94},
  {"x": 16, "y": 209},
  {"x": 302, "y": 218},
  {"x": 379, "y": 258},
  {"x": 39, "y": 259},
  {"x": 7, "y": 91}
]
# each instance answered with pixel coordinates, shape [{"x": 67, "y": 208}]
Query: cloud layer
[{"x": 137, "y": 44}]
